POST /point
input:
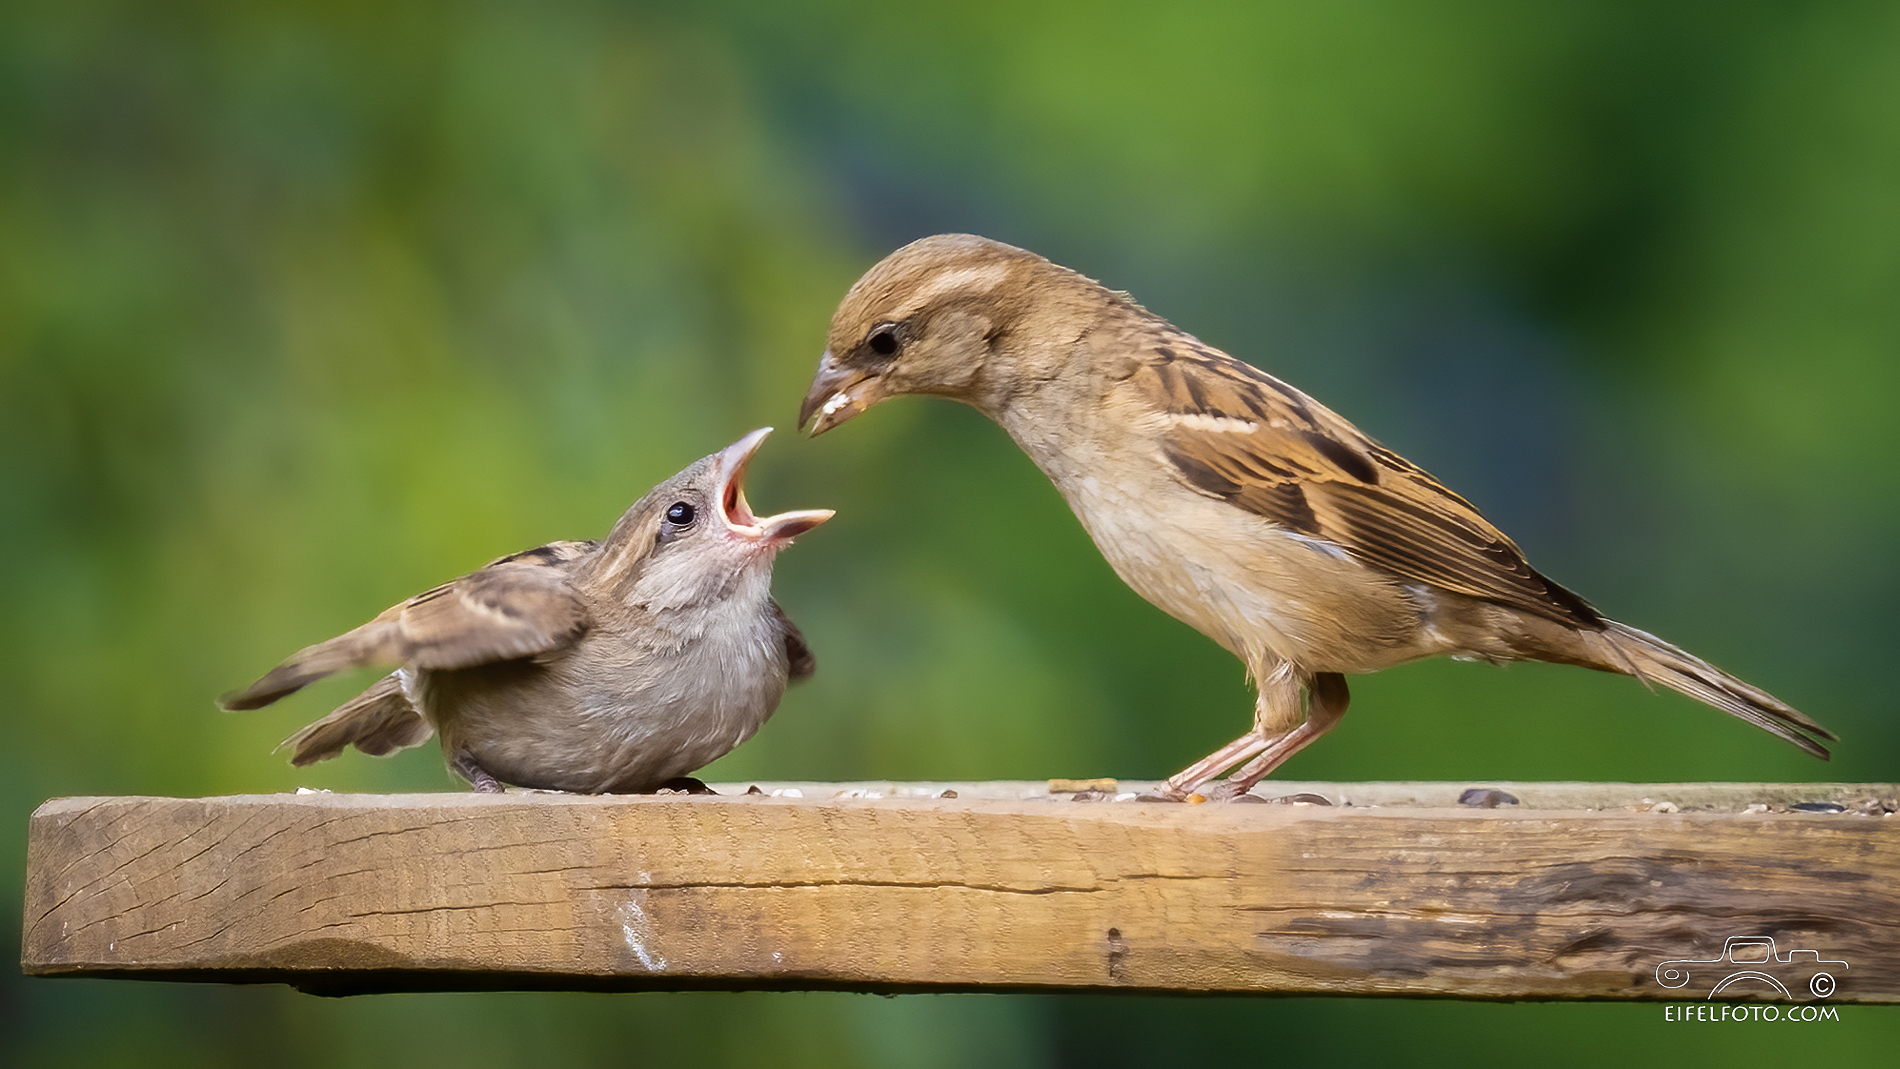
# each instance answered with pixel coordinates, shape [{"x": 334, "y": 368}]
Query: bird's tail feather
[
  {"x": 1652, "y": 660},
  {"x": 379, "y": 721}
]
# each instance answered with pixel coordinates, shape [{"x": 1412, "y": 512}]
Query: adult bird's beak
[
  {"x": 740, "y": 522},
  {"x": 837, "y": 393}
]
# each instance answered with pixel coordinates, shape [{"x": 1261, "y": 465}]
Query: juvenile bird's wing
[
  {"x": 797, "y": 654},
  {"x": 1241, "y": 435},
  {"x": 517, "y": 606},
  {"x": 379, "y": 721}
]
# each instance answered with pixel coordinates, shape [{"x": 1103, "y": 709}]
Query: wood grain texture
[{"x": 346, "y": 893}]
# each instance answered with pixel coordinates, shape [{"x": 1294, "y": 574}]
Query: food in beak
[{"x": 830, "y": 399}]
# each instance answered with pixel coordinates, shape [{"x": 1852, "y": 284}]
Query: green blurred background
[{"x": 305, "y": 307}]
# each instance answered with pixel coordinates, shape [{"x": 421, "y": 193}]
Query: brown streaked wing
[
  {"x": 1307, "y": 469},
  {"x": 517, "y": 607}
]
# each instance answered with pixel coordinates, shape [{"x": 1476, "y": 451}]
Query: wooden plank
[{"x": 1001, "y": 887}]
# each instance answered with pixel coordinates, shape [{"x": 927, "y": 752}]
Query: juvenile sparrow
[
  {"x": 1234, "y": 502},
  {"x": 611, "y": 666}
]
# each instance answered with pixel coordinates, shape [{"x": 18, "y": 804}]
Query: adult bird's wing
[{"x": 1241, "y": 435}]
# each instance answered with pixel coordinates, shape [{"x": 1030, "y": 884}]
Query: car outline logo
[{"x": 1757, "y": 956}]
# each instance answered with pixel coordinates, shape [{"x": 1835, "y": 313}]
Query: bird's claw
[
  {"x": 480, "y": 780},
  {"x": 1228, "y": 791}
]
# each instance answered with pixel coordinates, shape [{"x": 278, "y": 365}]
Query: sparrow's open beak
[
  {"x": 740, "y": 522},
  {"x": 837, "y": 393}
]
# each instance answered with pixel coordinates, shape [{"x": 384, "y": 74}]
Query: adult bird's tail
[{"x": 1652, "y": 660}]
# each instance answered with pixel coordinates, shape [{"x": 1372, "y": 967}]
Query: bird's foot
[
  {"x": 1228, "y": 791},
  {"x": 480, "y": 780},
  {"x": 684, "y": 785},
  {"x": 1190, "y": 790}
]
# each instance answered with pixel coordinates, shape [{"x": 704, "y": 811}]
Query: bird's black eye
[
  {"x": 884, "y": 341},
  {"x": 680, "y": 515}
]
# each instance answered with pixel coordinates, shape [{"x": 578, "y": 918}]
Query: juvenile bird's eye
[
  {"x": 884, "y": 341},
  {"x": 680, "y": 515}
]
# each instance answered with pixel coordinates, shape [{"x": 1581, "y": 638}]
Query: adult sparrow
[
  {"x": 1226, "y": 497},
  {"x": 609, "y": 666}
]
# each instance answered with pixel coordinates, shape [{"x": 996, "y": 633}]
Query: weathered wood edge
[
  {"x": 1713, "y": 796},
  {"x": 1818, "y": 876}
]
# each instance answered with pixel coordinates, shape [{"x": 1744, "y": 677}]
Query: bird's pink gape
[{"x": 772, "y": 531}]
